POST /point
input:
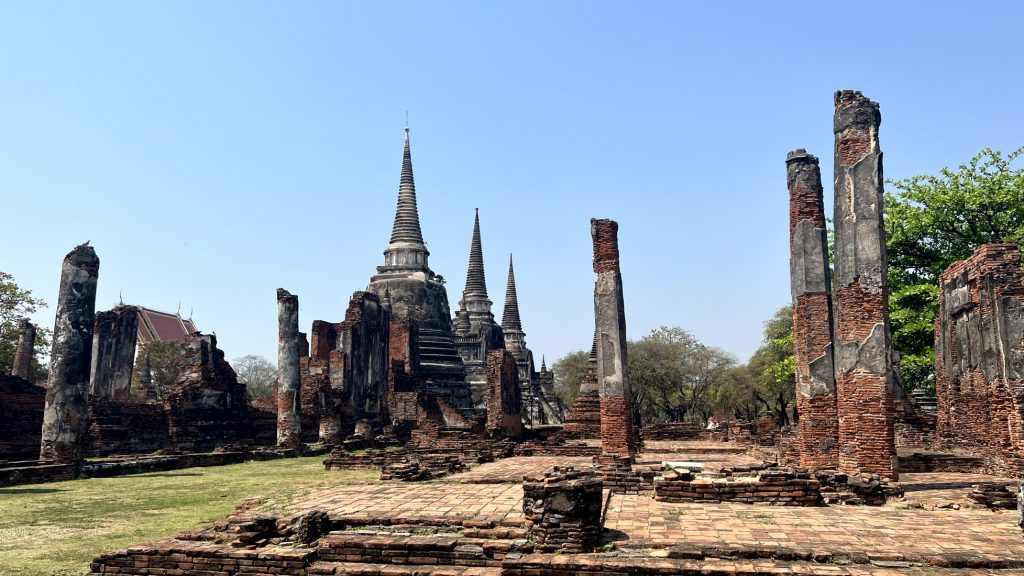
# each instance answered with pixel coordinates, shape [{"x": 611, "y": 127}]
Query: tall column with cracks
[
  {"x": 22, "y": 367},
  {"x": 812, "y": 314},
  {"x": 617, "y": 434},
  {"x": 862, "y": 355},
  {"x": 66, "y": 412},
  {"x": 289, "y": 397}
]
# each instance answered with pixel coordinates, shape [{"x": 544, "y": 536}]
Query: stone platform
[{"x": 473, "y": 523}]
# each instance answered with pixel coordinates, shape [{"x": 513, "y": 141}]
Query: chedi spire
[{"x": 510, "y": 315}]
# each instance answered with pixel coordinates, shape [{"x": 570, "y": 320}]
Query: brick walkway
[
  {"x": 419, "y": 503},
  {"x": 938, "y": 489},
  {"x": 638, "y": 520},
  {"x": 512, "y": 470}
]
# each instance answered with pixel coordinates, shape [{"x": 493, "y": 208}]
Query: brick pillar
[
  {"x": 504, "y": 419},
  {"x": 289, "y": 380},
  {"x": 812, "y": 314},
  {"x": 113, "y": 353},
  {"x": 617, "y": 434},
  {"x": 862, "y": 354},
  {"x": 66, "y": 412},
  {"x": 22, "y": 367},
  {"x": 563, "y": 509}
]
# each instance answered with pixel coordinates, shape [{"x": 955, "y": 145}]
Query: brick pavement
[
  {"x": 512, "y": 470},
  {"x": 638, "y": 520},
  {"x": 419, "y": 503}
]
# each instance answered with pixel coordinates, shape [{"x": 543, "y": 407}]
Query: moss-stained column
[
  {"x": 812, "y": 314},
  {"x": 66, "y": 413},
  {"x": 863, "y": 356},
  {"x": 289, "y": 396},
  {"x": 22, "y": 367}
]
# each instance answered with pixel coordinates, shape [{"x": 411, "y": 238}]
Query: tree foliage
[
  {"x": 771, "y": 368},
  {"x": 569, "y": 371},
  {"x": 932, "y": 221},
  {"x": 674, "y": 376},
  {"x": 16, "y": 304},
  {"x": 257, "y": 373},
  {"x": 164, "y": 365}
]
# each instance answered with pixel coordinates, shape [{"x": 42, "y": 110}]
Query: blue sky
[{"x": 214, "y": 151}]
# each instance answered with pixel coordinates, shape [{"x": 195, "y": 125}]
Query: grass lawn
[{"x": 57, "y": 528}]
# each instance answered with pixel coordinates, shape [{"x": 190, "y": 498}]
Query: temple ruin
[
  {"x": 978, "y": 356},
  {"x": 484, "y": 472}
]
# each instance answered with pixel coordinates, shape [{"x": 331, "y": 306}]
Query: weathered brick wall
[
  {"x": 113, "y": 353},
  {"x": 862, "y": 354},
  {"x": 365, "y": 342},
  {"x": 21, "y": 418},
  {"x": 776, "y": 487},
  {"x": 818, "y": 442},
  {"x": 208, "y": 405},
  {"x": 324, "y": 339},
  {"x": 401, "y": 397},
  {"x": 503, "y": 415},
  {"x": 979, "y": 353},
  {"x": 126, "y": 428},
  {"x": 177, "y": 557},
  {"x": 674, "y": 431}
]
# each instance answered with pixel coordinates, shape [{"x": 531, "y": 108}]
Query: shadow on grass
[
  {"x": 31, "y": 490},
  {"x": 171, "y": 474}
]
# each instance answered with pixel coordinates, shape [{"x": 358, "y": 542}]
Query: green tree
[
  {"x": 16, "y": 304},
  {"x": 164, "y": 366},
  {"x": 569, "y": 371},
  {"x": 932, "y": 221},
  {"x": 257, "y": 373},
  {"x": 674, "y": 376},
  {"x": 772, "y": 366}
]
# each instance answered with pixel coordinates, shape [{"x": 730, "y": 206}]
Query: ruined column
[
  {"x": 617, "y": 434},
  {"x": 289, "y": 380},
  {"x": 862, "y": 354},
  {"x": 66, "y": 412},
  {"x": 22, "y": 367},
  {"x": 812, "y": 314},
  {"x": 113, "y": 353}
]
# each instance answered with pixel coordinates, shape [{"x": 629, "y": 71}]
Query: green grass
[{"x": 57, "y": 528}]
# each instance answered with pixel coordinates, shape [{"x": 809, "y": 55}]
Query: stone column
[
  {"x": 22, "y": 367},
  {"x": 113, "y": 353},
  {"x": 862, "y": 354},
  {"x": 617, "y": 434},
  {"x": 66, "y": 413},
  {"x": 289, "y": 381},
  {"x": 812, "y": 314}
]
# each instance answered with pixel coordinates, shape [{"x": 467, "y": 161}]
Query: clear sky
[{"x": 215, "y": 151}]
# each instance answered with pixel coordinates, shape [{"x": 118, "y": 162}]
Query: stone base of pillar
[{"x": 563, "y": 509}]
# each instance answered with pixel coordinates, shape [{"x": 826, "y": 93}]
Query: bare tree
[{"x": 257, "y": 373}]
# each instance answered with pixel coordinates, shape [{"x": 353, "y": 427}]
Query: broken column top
[
  {"x": 606, "y": 244},
  {"x": 84, "y": 257},
  {"x": 855, "y": 110},
  {"x": 284, "y": 295},
  {"x": 801, "y": 156}
]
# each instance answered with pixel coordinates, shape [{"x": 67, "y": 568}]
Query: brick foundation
[
  {"x": 21, "y": 407},
  {"x": 775, "y": 487}
]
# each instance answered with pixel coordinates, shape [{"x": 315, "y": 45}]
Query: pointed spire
[
  {"x": 476, "y": 284},
  {"x": 543, "y": 364},
  {"x": 510, "y": 316},
  {"x": 407, "y": 218}
]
